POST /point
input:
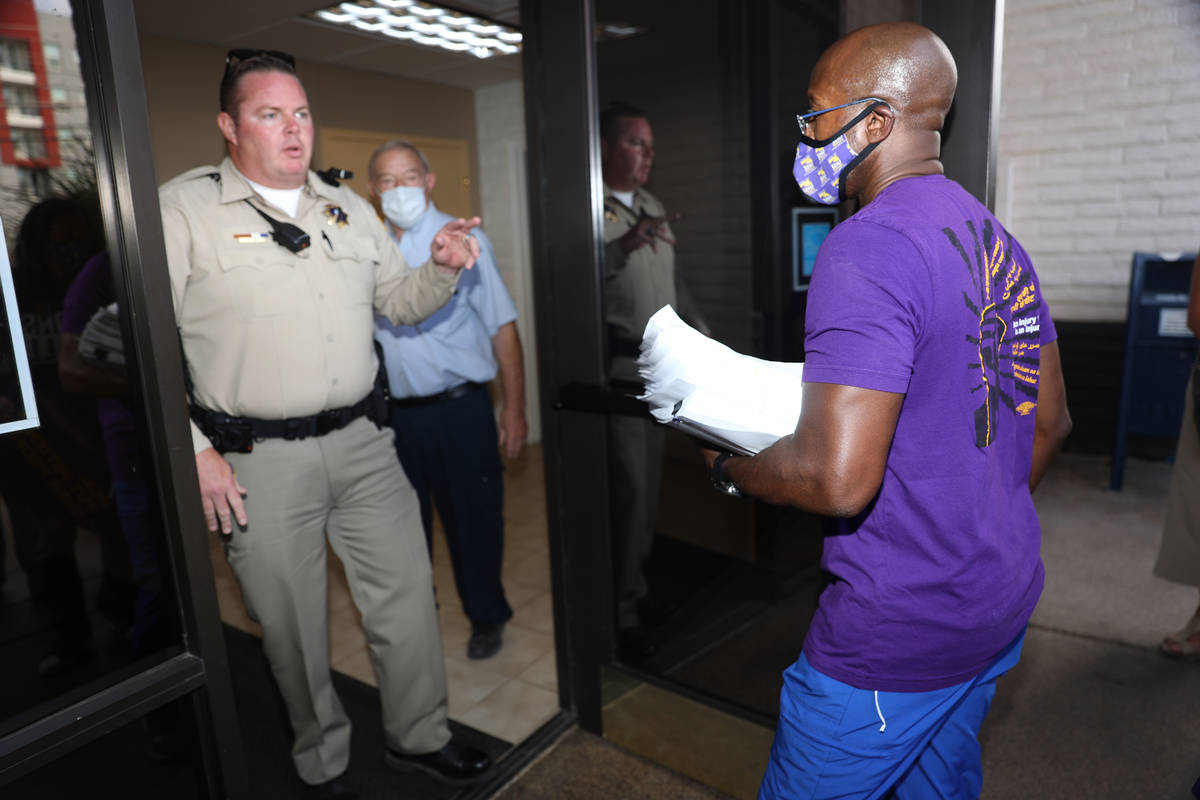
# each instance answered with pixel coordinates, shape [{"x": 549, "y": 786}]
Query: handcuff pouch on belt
[
  {"x": 380, "y": 394},
  {"x": 226, "y": 434}
]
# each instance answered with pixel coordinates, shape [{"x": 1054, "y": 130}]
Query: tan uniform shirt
[
  {"x": 637, "y": 284},
  {"x": 272, "y": 334}
]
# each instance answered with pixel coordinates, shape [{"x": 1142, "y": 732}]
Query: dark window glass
[
  {"x": 53, "y": 55},
  {"x": 86, "y": 592},
  {"x": 148, "y": 759},
  {"x": 28, "y": 144},
  {"x": 22, "y": 99},
  {"x": 14, "y": 54}
]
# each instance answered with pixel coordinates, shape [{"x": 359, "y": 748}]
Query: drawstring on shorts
[{"x": 882, "y": 727}]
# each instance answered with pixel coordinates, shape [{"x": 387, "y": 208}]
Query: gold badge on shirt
[
  {"x": 336, "y": 216},
  {"x": 610, "y": 215}
]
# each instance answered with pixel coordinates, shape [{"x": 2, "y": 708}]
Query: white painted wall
[
  {"x": 500, "y": 134},
  {"x": 1099, "y": 142}
]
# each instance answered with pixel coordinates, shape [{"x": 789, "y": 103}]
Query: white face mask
[{"x": 403, "y": 205}]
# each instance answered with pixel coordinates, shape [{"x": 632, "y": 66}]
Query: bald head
[
  {"x": 901, "y": 62},
  {"x": 908, "y": 67}
]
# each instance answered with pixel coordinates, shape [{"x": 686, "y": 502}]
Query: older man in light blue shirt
[{"x": 446, "y": 434}]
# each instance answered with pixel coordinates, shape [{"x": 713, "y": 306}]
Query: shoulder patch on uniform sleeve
[{"x": 210, "y": 172}]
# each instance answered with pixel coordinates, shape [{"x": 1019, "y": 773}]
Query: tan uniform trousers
[
  {"x": 634, "y": 474},
  {"x": 348, "y": 485}
]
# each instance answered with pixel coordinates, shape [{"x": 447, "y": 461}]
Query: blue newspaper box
[{"x": 1159, "y": 350}]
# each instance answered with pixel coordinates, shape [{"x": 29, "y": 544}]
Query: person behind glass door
[
  {"x": 446, "y": 434},
  {"x": 1179, "y": 552},
  {"x": 639, "y": 278},
  {"x": 276, "y": 275},
  {"x": 54, "y": 480},
  {"x": 104, "y": 378},
  {"x": 933, "y": 403}
]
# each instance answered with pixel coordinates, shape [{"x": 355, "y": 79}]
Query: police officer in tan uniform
[
  {"x": 639, "y": 279},
  {"x": 276, "y": 275}
]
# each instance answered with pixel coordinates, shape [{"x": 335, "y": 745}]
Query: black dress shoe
[
  {"x": 654, "y": 611},
  {"x": 453, "y": 765},
  {"x": 485, "y": 641},
  {"x": 634, "y": 645},
  {"x": 339, "y": 788}
]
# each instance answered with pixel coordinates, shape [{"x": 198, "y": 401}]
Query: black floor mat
[
  {"x": 266, "y": 736},
  {"x": 119, "y": 764}
]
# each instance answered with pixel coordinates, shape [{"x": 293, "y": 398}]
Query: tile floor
[{"x": 508, "y": 696}]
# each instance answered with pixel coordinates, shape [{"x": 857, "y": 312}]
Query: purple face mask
[{"x": 821, "y": 166}]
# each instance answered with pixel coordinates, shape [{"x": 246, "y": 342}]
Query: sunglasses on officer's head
[{"x": 247, "y": 53}]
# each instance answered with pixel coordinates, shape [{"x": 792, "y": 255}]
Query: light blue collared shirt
[{"x": 454, "y": 345}]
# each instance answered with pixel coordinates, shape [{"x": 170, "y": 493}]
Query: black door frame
[
  {"x": 974, "y": 32},
  {"x": 561, "y": 122},
  {"x": 107, "y": 43}
]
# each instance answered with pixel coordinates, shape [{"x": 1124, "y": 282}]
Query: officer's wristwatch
[{"x": 719, "y": 481}]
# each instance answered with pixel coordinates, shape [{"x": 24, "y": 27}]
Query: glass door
[
  {"x": 683, "y": 606},
  {"x": 712, "y": 593},
  {"x": 108, "y": 627}
]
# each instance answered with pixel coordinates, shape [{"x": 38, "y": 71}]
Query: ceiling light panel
[{"x": 425, "y": 24}]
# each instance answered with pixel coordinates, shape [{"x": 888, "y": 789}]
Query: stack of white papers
[
  {"x": 101, "y": 338},
  {"x": 733, "y": 401}
]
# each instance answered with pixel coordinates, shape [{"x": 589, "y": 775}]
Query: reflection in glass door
[
  {"x": 86, "y": 585},
  {"x": 713, "y": 600},
  {"x": 92, "y": 608}
]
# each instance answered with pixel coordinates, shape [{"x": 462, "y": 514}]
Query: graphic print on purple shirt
[
  {"x": 998, "y": 279},
  {"x": 923, "y": 293}
]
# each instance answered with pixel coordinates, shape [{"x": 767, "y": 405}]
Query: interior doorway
[{"x": 449, "y": 159}]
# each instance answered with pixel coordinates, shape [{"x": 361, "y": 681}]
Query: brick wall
[{"x": 1099, "y": 142}]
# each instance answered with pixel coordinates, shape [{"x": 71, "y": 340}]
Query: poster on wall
[{"x": 18, "y": 410}]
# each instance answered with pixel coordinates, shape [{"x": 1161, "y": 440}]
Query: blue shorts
[{"x": 836, "y": 741}]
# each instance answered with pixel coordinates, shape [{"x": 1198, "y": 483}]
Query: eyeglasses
[
  {"x": 802, "y": 119},
  {"x": 247, "y": 53}
]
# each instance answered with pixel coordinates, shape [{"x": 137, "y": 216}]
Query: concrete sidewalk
[{"x": 1093, "y": 710}]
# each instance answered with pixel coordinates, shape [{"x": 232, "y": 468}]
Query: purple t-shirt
[
  {"x": 88, "y": 292},
  {"x": 924, "y": 293}
]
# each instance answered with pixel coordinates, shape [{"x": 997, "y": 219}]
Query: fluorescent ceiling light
[
  {"x": 426, "y": 24},
  {"x": 359, "y": 10}
]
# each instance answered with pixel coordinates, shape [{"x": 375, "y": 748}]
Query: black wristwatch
[{"x": 719, "y": 481}]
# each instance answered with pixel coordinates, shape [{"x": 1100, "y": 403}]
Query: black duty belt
[
  {"x": 462, "y": 390},
  {"x": 238, "y": 434}
]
